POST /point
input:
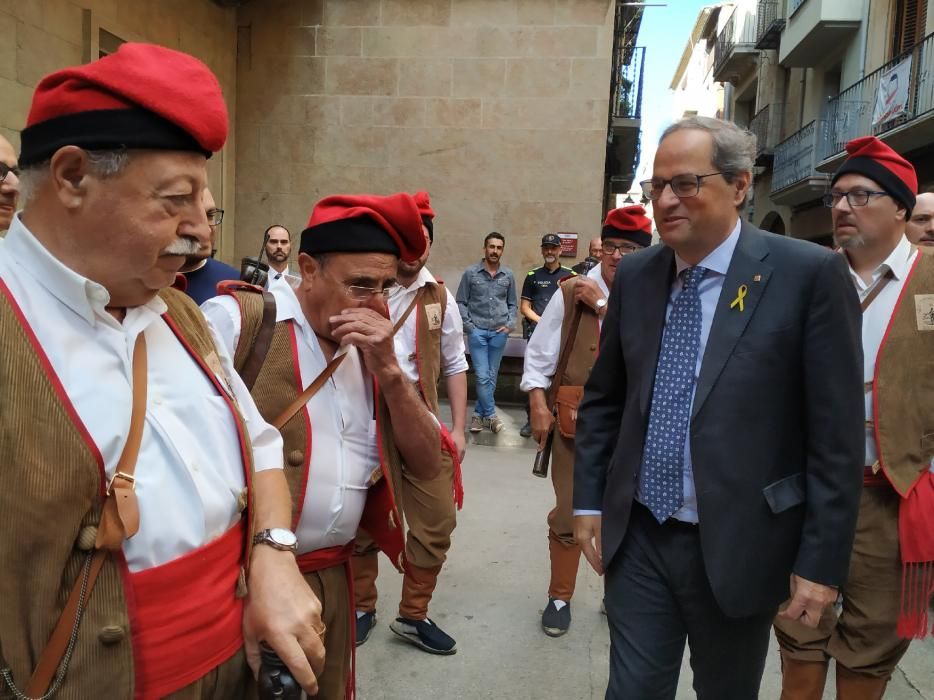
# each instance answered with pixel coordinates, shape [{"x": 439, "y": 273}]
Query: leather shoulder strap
[{"x": 257, "y": 325}]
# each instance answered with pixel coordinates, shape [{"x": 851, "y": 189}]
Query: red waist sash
[{"x": 186, "y": 619}]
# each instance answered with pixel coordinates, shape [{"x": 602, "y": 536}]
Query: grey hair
[
  {"x": 101, "y": 164},
  {"x": 734, "y": 148}
]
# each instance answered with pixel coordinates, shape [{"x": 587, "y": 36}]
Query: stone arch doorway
[{"x": 773, "y": 222}]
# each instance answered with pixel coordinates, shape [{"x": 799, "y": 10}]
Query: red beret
[
  {"x": 424, "y": 204},
  {"x": 365, "y": 223},
  {"x": 141, "y": 96},
  {"x": 629, "y": 223},
  {"x": 874, "y": 159},
  {"x": 428, "y": 214}
]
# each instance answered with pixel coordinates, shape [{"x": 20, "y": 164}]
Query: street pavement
[{"x": 490, "y": 598}]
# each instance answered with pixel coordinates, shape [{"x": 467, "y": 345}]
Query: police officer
[{"x": 540, "y": 285}]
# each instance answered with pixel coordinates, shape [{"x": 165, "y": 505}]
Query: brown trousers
[
  {"x": 232, "y": 680},
  {"x": 563, "y": 548},
  {"x": 330, "y": 585},
  {"x": 431, "y": 516},
  {"x": 863, "y": 638}
]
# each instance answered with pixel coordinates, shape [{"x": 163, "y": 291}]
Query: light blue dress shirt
[{"x": 709, "y": 289}]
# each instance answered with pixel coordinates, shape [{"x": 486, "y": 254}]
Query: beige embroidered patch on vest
[
  {"x": 434, "y": 316},
  {"x": 924, "y": 311}
]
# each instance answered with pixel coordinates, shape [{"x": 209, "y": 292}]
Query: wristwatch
[
  {"x": 600, "y": 303},
  {"x": 277, "y": 538}
]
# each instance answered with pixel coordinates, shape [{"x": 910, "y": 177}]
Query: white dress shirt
[
  {"x": 343, "y": 430},
  {"x": 543, "y": 348},
  {"x": 453, "y": 360},
  {"x": 876, "y": 319},
  {"x": 189, "y": 473}
]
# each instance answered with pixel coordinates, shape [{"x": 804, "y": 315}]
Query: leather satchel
[{"x": 566, "y": 403}]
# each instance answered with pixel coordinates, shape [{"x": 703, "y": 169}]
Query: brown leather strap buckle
[{"x": 129, "y": 478}]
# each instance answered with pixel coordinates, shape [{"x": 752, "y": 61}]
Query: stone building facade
[{"x": 497, "y": 107}]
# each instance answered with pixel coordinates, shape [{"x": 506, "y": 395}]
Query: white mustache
[{"x": 182, "y": 246}]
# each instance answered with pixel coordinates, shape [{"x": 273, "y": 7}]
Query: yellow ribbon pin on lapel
[{"x": 740, "y": 295}]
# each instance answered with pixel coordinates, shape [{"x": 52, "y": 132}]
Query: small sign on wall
[{"x": 568, "y": 244}]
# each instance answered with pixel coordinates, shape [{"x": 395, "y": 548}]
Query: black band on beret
[
  {"x": 104, "y": 130},
  {"x": 357, "y": 235},
  {"x": 638, "y": 237},
  {"x": 430, "y": 225},
  {"x": 884, "y": 177}
]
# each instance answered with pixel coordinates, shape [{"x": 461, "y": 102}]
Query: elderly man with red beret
[
  {"x": 325, "y": 373},
  {"x": 585, "y": 297},
  {"x": 891, "y": 576},
  {"x": 137, "y": 476}
]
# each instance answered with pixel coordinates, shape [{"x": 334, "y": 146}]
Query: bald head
[
  {"x": 596, "y": 246},
  {"x": 920, "y": 228},
  {"x": 9, "y": 188}
]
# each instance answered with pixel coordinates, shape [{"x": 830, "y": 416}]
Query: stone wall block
[
  {"x": 352, "y": 13},
  {"x": 590, "y": 77},
  {"x": 423, "y": 77},
  {"x": 351, "y": 146},
  {"x": 340, "y": 41},
  {"x": 583, "y": 12},
  {"x": 537, "y": 77},
  {"x": 396, "y": 111},
  {"x": 479, "y": 77},
  {"x": 416, "y": 13},
  {"x": 453, "y": 112},
  {"x": 362, "y": 76}
]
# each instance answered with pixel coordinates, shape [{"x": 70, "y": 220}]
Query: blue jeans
[{"x": 486, "y": 352}]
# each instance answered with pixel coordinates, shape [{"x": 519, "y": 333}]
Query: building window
[{"x": 910, "y": 18}]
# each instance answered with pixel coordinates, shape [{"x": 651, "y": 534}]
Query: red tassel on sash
[
  {"x": 447, "y": 445},
  {"x": 916, "y": 540}
]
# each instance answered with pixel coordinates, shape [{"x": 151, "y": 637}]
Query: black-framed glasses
[
  {"x": 683, "y": 185},
  {"x": 855, "y": 198},
  {"x": 6, "y": 170},
  {"x": 215, "y": 216},
  {"x": 624, "y": 248}
]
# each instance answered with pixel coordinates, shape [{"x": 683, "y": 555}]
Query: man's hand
[
  {"x": 587, "y": 532},
  {"x": 282, "y": 611},
  {"x": 504, "y": 329},
  {"x": 808, "y": 601},
  {"x": 371, "y": 333},
  {"x": 587, "y": 291},
  {"x": 541, "y": 419},
  {"x": 460, "y": 442}
]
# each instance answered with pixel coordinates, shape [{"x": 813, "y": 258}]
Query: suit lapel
[
  {"x": 747, "y": 268},
  {"x": 656, "y": 282}
]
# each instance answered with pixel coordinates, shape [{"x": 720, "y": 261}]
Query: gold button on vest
[
  {"x": 111, "y": 634},
  {"x": 87, "y": 536},
  {"x": 296, "y": 458}
]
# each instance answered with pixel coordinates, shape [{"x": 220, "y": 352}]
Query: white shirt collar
[
  {"x": 85, "y": 297},
  {"x": 596, "y": 273},
  {"x": 899, "y": 262},
  {"x": 718, "y": 260}
]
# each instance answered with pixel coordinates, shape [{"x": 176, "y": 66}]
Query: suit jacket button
[
  {"x": 296, "y": 458},
  {"x": 111, "y": 634},
  {"x": 87, "y": 536},
  {"x": 593, "y": 347}
]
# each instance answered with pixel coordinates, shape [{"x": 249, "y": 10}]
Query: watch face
[
  {"x": 283, "y": 537},
  {"x": 601, "y": 303}
]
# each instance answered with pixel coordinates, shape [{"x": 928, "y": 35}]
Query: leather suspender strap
[
  {"x": 871, "y": 297},
  {"x": 326, "y": 373},
  {"x": 267, "y": 327},
  {"x": 119, "y": 520},
  {"x": 409, "y": 310},
  {"x": 309, "y": 392},
  {"x": 565, "y": 355}
]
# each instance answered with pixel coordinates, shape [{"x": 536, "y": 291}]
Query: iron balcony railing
[
  {"x": 795, "y": 158},
  {"x": 767, "y": 126},
  {"x": 627, "y": 88},
  {"x": 739, "y": 32},
  {"x": 769, "y": 23},
  {"x": 851, "y": 114}
]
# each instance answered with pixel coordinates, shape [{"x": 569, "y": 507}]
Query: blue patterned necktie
[{"x": 661, "y": 483}]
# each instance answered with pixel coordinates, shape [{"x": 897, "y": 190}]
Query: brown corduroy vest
[
  {"x": 903, "y": 385},
  {"x": 432, "y": 306},
  {"x": 51, "y": 494},
  {"x": 277, "y": 385}
]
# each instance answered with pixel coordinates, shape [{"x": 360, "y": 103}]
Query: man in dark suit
[{"x": 720, "y": 438}]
